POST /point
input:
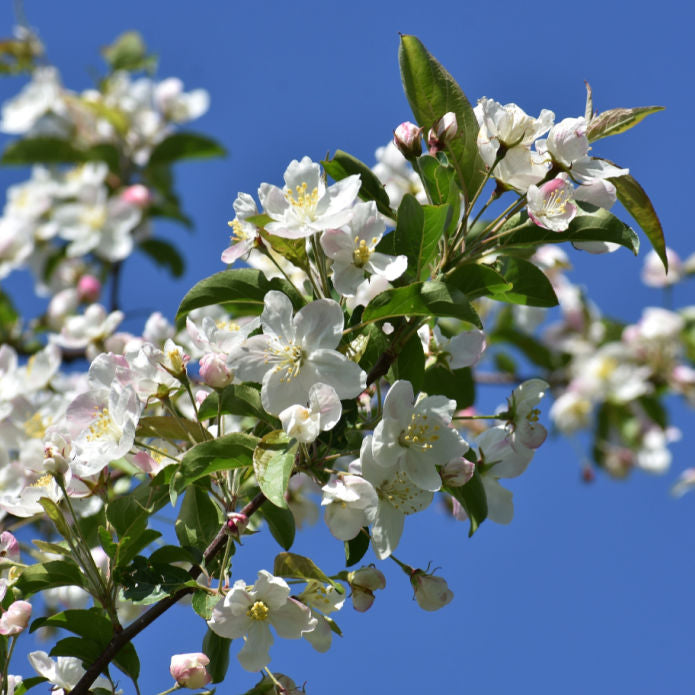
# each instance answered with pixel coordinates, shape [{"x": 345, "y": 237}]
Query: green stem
[
  {"x": 6, "y": 667},
  {"x": 406, "y": 568},
  {"x": 320, "y": 259},
  {"x": 171, "y": 690}
]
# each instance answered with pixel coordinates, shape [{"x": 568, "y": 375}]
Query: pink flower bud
[
  {"x": 458, "y": 472},
  {"x": 407, "y": 139},
  {"x": 236, "y": 524},
  {"x": 442, "y": 131},
  {"x": 431, "y": 593},
  {"x": 214, "y": 370},
  {"x": 137, "y": 195},
  {"x": 9, "y": 547},
  {"x": 15, "y": 618},
  {"x": 189, "y": 671},
  {"x": 88, "y": 289}
]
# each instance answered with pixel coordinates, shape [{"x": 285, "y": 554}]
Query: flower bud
[
  {"x": 457, "y": 472},
  {"x": 189, "y": 671},
  {"x": 236, "y": 524},
  {"x": 57, "y": 452},
  {"x": 442, "y": 132},
  {"x": 214, "y": 370},
  {"x": 431, "y": 593},
  {"x": 9, "y": 547},
  {"x": 363, "y": 583},
  {"x": 15, "y": 618},
  {"x": 407, "y": 139},
  {"x": 88, "y": 289},
  {"x": 137, "y": 195}
]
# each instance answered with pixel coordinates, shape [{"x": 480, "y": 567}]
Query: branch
[{"x": 139, "y": 624}]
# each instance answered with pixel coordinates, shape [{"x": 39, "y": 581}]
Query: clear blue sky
[{"x": 589, "y": 590}]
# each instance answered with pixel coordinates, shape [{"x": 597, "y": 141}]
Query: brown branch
[{"x": 119, "y": 640}]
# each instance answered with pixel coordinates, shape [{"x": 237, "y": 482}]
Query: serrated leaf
[
  {"x": 242, "y": 287},
  {"x": 199, "y": 519},
  {"x": 432, "y": 92},
  {"x": 216, "y": 648},
  {"x": 186, "y": 145},
  {"x": 48, "y": 575},
  {"x": 356, "y": 548},
  {"x": 430, "y": 298},
  {"x": 472, "y": 498},
  {"x": 615, "y": 121},
  {"x": 530, "y": 285},
  {"x": 440, "y": 184},
  {"x": 273, "y": 460},
  {"x": 343, "y": 165},
  {"x": 165, "y": 255},
  {"x": 637, "y": 203},
  {"x": 280, "y": 524}
]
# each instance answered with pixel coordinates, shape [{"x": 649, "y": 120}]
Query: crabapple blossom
[
  {"x": 322, "y": 600},
  {"x": 305, "y": 205},
  {"x": 9, "y": 547},
  {"x": 654, "y": 274},
  {"x": 527, "y": 431},
  {"x": 188, "y": 670},
  {"x": 351, "y": 503},
  {"x": 64, "y": 672},
  {"x": 408, "y": 139},
  {"x": 244, "y": 234},
  {"x": 363, "y": 583},
  {"x": 249, "y": 611},
  {"x": 431, "y": 593},
  {"x": 550, "y": 205},
  {"x": 15, "y": 618},
  {"x": 322, "y": 414}
]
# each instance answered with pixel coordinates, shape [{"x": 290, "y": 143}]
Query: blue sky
[{"x": 590, "y": 588}]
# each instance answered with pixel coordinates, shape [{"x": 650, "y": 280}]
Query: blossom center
[
  {"x": 556, "y": 203},
  {"x": 35, "y": 427},
  {"x": 94, "y": 217},
  {"x": 258, "y": 611},
  {"x": 363, "y": 251},
  {"x": 419, "y": 434},
  {"x": 238, "y": 233},
  {"x": 289, "y": 359},
  {"x": 303, "y": 201},
  {"x": 102, "y": 426},
  {"x": 401, "y": 494},
  {"x": 43, "y": 481}
]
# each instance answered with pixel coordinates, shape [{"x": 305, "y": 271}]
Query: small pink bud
[
  {"x": 15, "y": 618},
  {"x": 9, "y": 547},
  {"x": 407, "y": 139},
  {"x": 189, "y": 671},
  {"x": 236, "y": 524},
  {"x": 458, "y": 472},
  {"x": 442, "y": 131},
  {"x": 431, "y": 593},
  {"x": 88, "y": 289},
  {"x": 137, "y": 195},
  {"x": 214, "y": 370}
]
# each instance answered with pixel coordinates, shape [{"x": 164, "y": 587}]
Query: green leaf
[
  {"x": 472, "y": 498},
  {"x": 293, "y": 566},
  {"x": 128, "y": 52},
  {"x": 293, "y": 250},
  {"x": 478, "y": 280},
  {"x": 83, "y": 649},
  {"x": 280, "y": 523},
  {"x": 440, "y": 184},
  {"x": 637, "y": 203},
  {"x": 167, "y": 427},
  {"x": 356, "y": 548},
  {"x": 186, "y": 146},
  {"x": 242, "y": 287},
  {"x": 432, "y": 92},
  {"x": 457, "y": 384},
  {"x": 343, "y": 165},
  {"x": 233, "y": 450},
  {"x": 8, "y": 317},
  {"x": 410, "y": 363},
  {"x": 431, "y": 298},
  {"x": 530, "y": 285},
  {"x": 237, "y": 399},
  {"x": 264, "y": 687},
  {"x": 145, "y": 582},
  {"x": 216, "y": 648},
  {"x": 273, "y": 460},
  {"x": 164, "y": 254},
  {"x": 56, "y": 516},
  {"x": 598, "y": 225},
  {"x": 107, "y": 543},
  {"x": 46, "y": 547},
  {"x": 203, "y": 603},
  {"x": 42, "y": 150},
  {"x": 48, "y": 575},
  {"x": 616, "y": 121},
  {"x": 27, "y": 684},
  {"x": 199, "y": 519}
]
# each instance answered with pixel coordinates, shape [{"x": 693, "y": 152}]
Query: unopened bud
[
  {"x": 9, "y": 547},
  {"x": 137, "y": 195},
  {"x": 236, "y": 524},
  {"x": 431, "y": 593},
  {"x": 189, "y": 671},
  {"x": 88, "y": 289},
  {"x": 442, "y": 132},
  {"x": 363, "y": 583},
  {"x": 458, "y": 472},
  {"x": 15, "y": 618},
  {"x": 57, "y": 452},
  {"x": 407, "y": 138},
  {"x": 214, "y": 370}
]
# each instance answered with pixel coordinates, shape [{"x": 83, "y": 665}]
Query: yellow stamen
[{"x": 258, "y": 611}]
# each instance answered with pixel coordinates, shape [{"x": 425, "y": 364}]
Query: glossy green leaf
[
  {"x": 165, "y": 255},
  {"x": 457, "y": 384},
  {"x": 199, "y": 519},
  {"x": 186, "y": 146},
  {"x": 280, "y": 523},
  {"x": 432, "y": 92},
  {"x": 230, "y": 451},
  {"x": 530, "y": 285},
  {"x": 472, "y": 498},
  {"x": 8, "y": 317},
  {"x": 48, "y": 575},
  {"x": 216, "y": 648},
  {"x": 83, "y": 649},
  {"x": 237, "y": 399},
  {"x": 293, "y": 566},
  {"x": 637, "y": 203},
  {"x": 356, "y": 548},
  {"x": 440, "y": 183},
  {"x": 410, "y": 363},
  {"x": 54, "y": 513},
  {"x": 293, "y": 250},
  {"x": 431, "y": 298},
  {"x": 46, "y": 547},
  {"x": 478, "y": 280},
  {"x": 41, "y": 150},
  {"x": 241, "y": 287},
  {"x": 167, "y": 427},
  {"x": 204, "y": 602},
  {"x": 343, "y": 165},
  {"x": 615, "y": 121},
  {"x": 145, "y": 582},
  {"x": 273, "y": 460}
]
